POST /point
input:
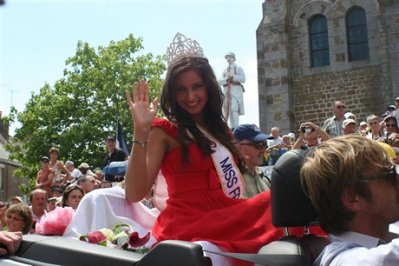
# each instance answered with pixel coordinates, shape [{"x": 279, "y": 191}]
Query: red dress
[{"x": 197, "y": 208}]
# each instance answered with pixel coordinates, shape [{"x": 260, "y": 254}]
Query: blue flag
[{"x": 120, "y": 139}]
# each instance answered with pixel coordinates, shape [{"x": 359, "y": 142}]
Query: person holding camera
[{"x": 310, "y": 135}]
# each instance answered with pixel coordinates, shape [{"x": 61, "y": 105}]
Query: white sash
[{"x": 228, "y": 172}]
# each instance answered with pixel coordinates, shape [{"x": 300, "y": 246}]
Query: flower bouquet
[
  {"x": 55, "y": 222},
  {"x": 122, "y": 236}
]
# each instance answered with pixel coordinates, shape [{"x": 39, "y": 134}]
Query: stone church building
[{"x": 313, "y": 52}]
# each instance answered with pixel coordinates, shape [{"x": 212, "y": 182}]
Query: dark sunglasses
[
  {"x": 258, "y": 145},
  {"x": 391, "y": 176},
  {"x": 341, "y": 106}
]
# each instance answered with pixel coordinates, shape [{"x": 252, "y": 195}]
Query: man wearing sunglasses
[
  {"x": 353, "y": 185},
  {"x": 251, "y": 143},
  {"x": 333, "y": 125}
]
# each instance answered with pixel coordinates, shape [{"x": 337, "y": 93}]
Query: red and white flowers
[{"x": 122, "y": 236}]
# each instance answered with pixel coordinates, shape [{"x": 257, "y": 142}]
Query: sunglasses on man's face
[
  {"x": 391, "y": 176},
  {"x": 341, "y": 106},
  {"x": 258, "y": 145}
]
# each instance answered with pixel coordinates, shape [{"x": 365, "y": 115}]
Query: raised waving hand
[{"x": 143, "y": 112}]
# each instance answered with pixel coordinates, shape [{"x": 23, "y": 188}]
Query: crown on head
[{"x": 183, "y": 47}]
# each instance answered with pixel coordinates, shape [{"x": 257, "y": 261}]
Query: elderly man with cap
[
  {"x": 232, "y": 80},
  {"x": 251, "y": 143},
  {"x": 113, "y": 155}
]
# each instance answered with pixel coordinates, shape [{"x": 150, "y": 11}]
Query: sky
[{"x": 37, "y": 36}]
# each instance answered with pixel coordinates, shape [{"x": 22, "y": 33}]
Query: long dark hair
[{"x": 213, "y": 115}]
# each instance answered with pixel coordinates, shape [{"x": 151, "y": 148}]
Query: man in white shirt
[
  {"x": 354, "y": 188},
  {"x": 73, "y": 172}
]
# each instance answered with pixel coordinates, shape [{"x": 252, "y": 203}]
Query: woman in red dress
[{"x": 198, "y": 208}]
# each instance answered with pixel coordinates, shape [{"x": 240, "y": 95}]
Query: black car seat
[{"x": 292, "y": 208}]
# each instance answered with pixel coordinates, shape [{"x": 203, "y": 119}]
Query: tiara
[{"x": 183, "y": 47}]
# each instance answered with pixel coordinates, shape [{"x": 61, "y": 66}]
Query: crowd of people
[
  {"x": 54, "y": 176},
  {"x": 57, "y": 185},
  {"x": 383, "y": 128}
]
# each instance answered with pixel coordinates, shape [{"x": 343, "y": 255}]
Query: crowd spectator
[
  {"x": 113, "y": 155},
  {"x": 99, "y": 175},
  {"x": 74, "y": 173},
  {"x": 72, "y": 196},
  {"x": 58, "y": 167},
  {"x": 353, "y": 186},
  {"x": 19, "y": 218},
  {"x": 45, "y": 176},
  {"x": 390, "y": 109},
  {"x": 106, "y": 184},
  {"x": 310, "y": 135},
  {"x": 57, "y": 191},
  {"x": 375, "y": 128},
  {"x": 87, "y": 183},
  {"x": 274, "y": 145},
  {"x": 349, "y": 126},
  {"x": 287, "y": 143},
  {"x": 391, "y": 125},
  {"x": 251, "y": 143},
  {"x": 362, "y": 130},
  {"x": 52, "y": 203},
  {"x": 38, "y": 199},
  {"x": 16, "y": 199},
  {"x": 84, "y": 168},
  {"x": 349, "y": 115},
  {"x": 333, "y": 125}
]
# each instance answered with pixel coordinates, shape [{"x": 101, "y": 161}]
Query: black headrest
[{"x": 290, "y": 205}]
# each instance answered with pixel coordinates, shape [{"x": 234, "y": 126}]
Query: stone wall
[
  {"x": 314, "y": 94},
  {"x": 273, "y": 55},
  {"x": 291, "y": 91}
]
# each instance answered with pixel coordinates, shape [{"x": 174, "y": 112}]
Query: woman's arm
[
  {"x": 299, "y": 142},
  {"x": 149, "y": 145},
  {"x": 37, "y": 180}
]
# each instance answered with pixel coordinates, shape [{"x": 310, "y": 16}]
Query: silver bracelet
[{"x": 141, "y": 143}]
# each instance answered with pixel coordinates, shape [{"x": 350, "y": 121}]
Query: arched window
[
  {"x": 356, "y": 30},
  {"x": 319, "y": 48}
]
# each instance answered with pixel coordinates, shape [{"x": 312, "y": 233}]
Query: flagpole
[{"x": 119, "y": 132}]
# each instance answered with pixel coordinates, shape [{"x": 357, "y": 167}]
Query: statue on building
[{"x": 232, "y": 80}]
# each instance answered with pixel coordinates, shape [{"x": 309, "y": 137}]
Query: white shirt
[
  {"x": 75, "y": 173},
  {"x": 353, "y": 248}
]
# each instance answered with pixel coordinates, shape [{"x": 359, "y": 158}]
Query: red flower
[
  {"x": 96, "y": 237},
  {"x": 136, "y": 241}
]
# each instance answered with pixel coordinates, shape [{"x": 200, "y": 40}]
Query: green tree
[{"x": 80, "y": 110}]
